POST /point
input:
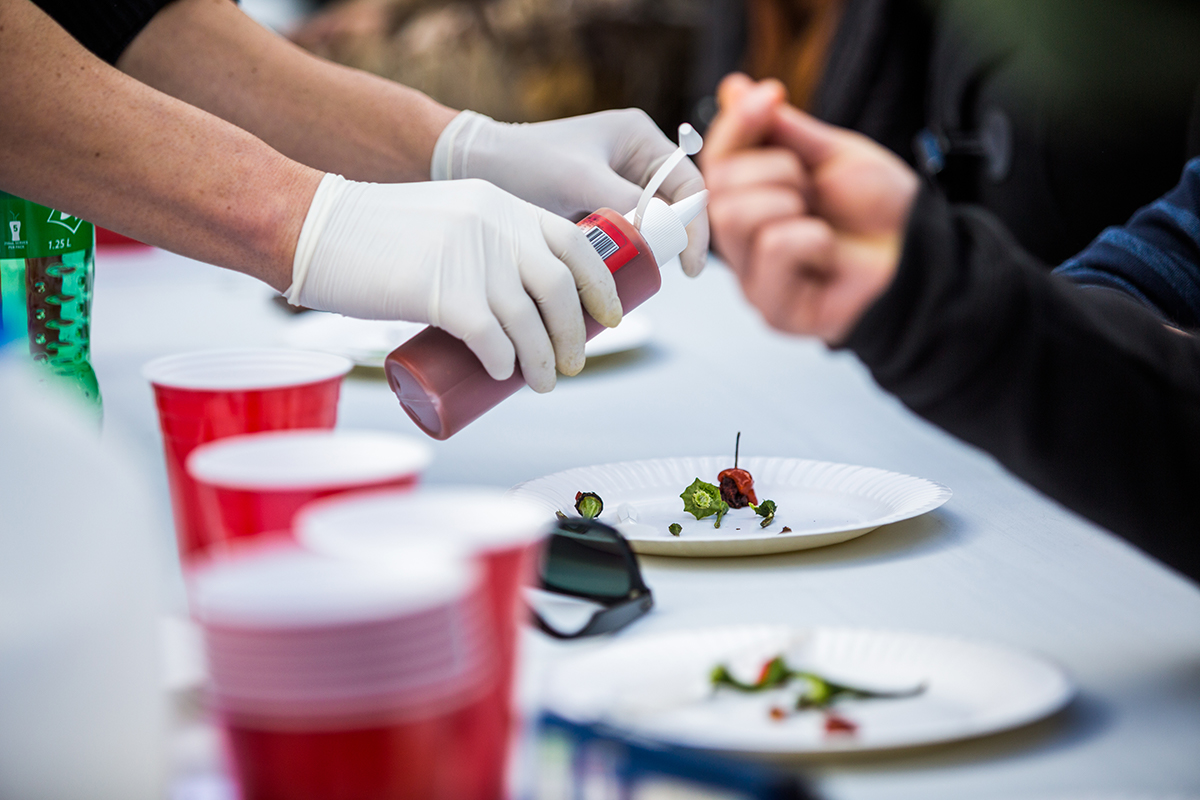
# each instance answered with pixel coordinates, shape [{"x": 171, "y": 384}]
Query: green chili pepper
[
  {"x": 766, "y": 510},
  {"x": 588, "y": 504},
  {"x": 703, "y": 500}
]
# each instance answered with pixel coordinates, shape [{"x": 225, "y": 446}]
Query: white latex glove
[
  {"x": 572, "y": 166},
  {"x": 464, "y": 256}
]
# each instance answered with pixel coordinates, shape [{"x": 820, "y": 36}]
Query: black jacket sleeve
[
  {"x": 1085, "y": 395},
  {"x": 877, "y": 71},
  {"x": 106, "y": 27}
]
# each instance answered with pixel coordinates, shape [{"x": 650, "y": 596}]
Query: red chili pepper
[
  {"x": 737, "y": 488},
  {"x": 777, "y": 714}
]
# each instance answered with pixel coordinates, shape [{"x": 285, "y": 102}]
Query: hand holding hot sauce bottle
[{"x": 444, "y": 387}]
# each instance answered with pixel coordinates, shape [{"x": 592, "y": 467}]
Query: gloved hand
[
  {"x": 464, "y": 256},
  {"x": 572, "y": 166}
]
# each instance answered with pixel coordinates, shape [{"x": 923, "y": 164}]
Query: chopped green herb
[
  {"x": 675, "y": 528},
  {"x": 703, "y": 500},
  {"x": 819, "y": 692},
  {"x": 588, "y": 504}
]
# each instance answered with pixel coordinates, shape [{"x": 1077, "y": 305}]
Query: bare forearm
[
  {"x": 208, "y": 53},
  {"x": 80, "y": 136}
]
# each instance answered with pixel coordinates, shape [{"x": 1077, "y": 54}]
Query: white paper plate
[
  {"x": 367, "y": 342},
  {"x": 634, "y": 331},
  {"x": 1103, "y": 795},
  {"x": 658, "y": 687},
  {"x": 823, "y": 503}
]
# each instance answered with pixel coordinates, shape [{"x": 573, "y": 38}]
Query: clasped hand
[{"x": 810, "y": 217}]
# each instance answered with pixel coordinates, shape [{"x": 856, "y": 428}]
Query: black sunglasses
[{"x": 589, "y": 560}]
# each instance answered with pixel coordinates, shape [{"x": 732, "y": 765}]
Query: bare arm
[
  {"x": 336, "y": 119},
  {"x": 79, "y": 136}
]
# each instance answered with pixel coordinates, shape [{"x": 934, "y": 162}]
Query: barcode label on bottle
[
  {"x": 614, "y": 247},
  {"x": 602, "y": 242}
]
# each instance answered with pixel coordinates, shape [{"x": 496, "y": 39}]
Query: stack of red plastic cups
[
  {"x": 208, "y": 395},
  {"x": 502, "y": 533},
  {"x": 347, "y": 679},
  {"x": 250, "y": 486}
]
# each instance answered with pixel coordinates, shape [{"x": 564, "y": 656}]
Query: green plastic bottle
[{"x": 47, "y": 261}]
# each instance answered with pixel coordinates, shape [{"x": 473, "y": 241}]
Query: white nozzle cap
[
  {"x": 663, "y": 225},
  {"x": 690, "y": 207},
  {"x": 690, "y": 143},
  {"x": 690, "y": 140}
]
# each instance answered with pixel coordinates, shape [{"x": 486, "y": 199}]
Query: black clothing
[
  {"x": 1084, "y": 394},
  {"x": 1061, "y": 117},
  {"x": 106, "y": 27}
]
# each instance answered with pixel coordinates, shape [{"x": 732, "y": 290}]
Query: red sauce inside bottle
[{"x": 444, "y": 387}]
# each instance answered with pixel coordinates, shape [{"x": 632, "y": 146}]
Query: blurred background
[
  {"x": 1060, "y": 117},
  {"x": 531, "y": 60}
]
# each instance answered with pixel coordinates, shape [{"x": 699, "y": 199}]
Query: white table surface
[{"x": 998, "y": 562}]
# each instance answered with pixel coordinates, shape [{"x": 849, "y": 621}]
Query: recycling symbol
[{"x": 65, "y": 220}]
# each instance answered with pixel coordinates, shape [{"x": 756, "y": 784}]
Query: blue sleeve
[{"x": 1154, "y": 258}]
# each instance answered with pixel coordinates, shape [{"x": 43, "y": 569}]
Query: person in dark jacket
[
  {"x": 1084, "y": 393},
  {"x": 1059, "y": 117}
]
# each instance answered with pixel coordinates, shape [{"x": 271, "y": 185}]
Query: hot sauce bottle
[{"x": 444, "y": 387}]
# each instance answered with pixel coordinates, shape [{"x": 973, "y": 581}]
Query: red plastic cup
[
  {"x": 342, "y": 679},
  {"x": 502, "y": 532},
  {"x": 105, "y": 237},
  {"x": 212, "y": 394},
  {"x": 252, "y": 485}
]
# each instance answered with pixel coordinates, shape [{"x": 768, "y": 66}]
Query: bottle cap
[{"x": 663, "y": 226}]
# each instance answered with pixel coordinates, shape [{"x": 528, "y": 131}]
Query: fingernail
[{"x": 760, "y": 98}]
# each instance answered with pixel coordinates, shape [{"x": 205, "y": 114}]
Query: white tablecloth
[{"x": 999, "y": 561}]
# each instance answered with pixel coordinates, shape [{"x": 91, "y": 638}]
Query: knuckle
[
  {"x": 792, "y": 167},
  {"x": 517, "y": 313},
  {"x": 480, "y": 194},
  {"x": 772, "y": 242},
  {"x": 721, "y": 216},
  {"x": 507, "y": 309},
  {"x": 474, "y": 329},
  {"x": 635, "y": 118},
  {"x": 561, "y": 285}
]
